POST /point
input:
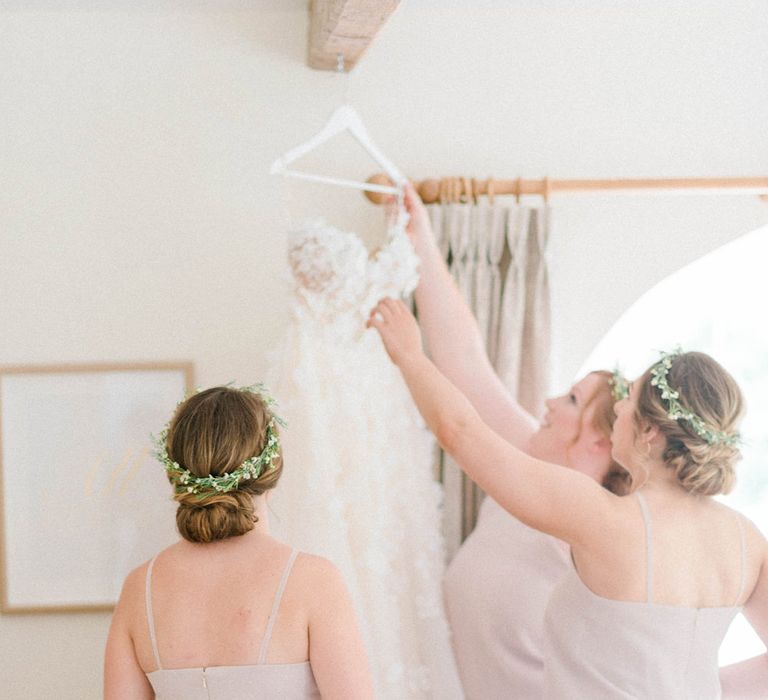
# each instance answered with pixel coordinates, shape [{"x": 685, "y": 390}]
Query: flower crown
[
  {"x": 253, "y": 467},
  {"x": 676, "y": 411},
  {"x": 619, "y": 385}
]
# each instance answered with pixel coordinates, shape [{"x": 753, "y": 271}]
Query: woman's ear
[
  {"x": 650, "y": 432},
  {"x": 601, "y": 443}
]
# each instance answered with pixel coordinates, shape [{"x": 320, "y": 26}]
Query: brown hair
[
  {"x": 617, "y": 479},
  {"x": 213, "y": 432},
  {"x": 708, "y": 390}
]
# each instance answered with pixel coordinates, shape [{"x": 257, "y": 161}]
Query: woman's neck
[
  {"x": 262, "y": 513},
  {"x": 661, "y": 479}
]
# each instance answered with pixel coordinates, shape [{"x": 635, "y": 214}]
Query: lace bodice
[{"x": 337, "y": 280}]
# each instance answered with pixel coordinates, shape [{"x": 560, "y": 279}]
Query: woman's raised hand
[
  {"x": 419, "y": 227},
  {"x": 398, "y": 329}
]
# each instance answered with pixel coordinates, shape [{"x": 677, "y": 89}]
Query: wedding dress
[{"x": 357, "y": 485}]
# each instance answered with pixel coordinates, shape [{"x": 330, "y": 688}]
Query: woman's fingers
[
  {"x": 411, "y": 199},
  {"x": 385, "y": 311},
  {"x": 378, "y": 314},
  {"x": 388, "y": 307},
  {"x": 397, "y": 327},
  {"x": 409, "y": 194}
]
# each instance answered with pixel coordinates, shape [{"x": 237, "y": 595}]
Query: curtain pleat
[
  {"x": 513, "y": 301},
  {"x": 536, "y": 342}
]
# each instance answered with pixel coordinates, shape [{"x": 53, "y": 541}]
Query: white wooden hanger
[{"x": 345, "y": 118}]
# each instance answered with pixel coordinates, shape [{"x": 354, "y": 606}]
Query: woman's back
[
  {"x": 227, "y": 620},
  {"x": 233, "y": 618},
  {"x": 693, "y": 551},
  {"x": 653, "y": 632},
  {"x": 211, "y": 605}
]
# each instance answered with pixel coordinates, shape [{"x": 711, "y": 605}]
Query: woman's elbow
[{"x": 451, "y": 434}]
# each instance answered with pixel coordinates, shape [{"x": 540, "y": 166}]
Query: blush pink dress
[
  {"x": 604, "y": 649},
  {"x": 496, "y": 591}
]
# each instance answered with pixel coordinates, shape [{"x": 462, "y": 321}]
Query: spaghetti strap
[
  {"x": 150, "y": 616},
  {"x": 742, "y": 537},
  {"x": 275, "y": 607},
  {"x": 648, "y": 545}
]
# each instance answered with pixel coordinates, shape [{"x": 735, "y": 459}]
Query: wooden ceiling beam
[{"x": 345, "y": 27}]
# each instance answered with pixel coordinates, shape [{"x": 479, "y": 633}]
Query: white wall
[{"x": 138, "y": 222}]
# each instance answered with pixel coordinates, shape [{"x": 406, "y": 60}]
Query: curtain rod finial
[{"x": 379, "y": 197}]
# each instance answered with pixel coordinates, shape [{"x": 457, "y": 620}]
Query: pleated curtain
[{"x": 497, "y": 255}]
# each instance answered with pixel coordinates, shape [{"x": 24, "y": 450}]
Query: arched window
[{"x": 715, "y": 305}]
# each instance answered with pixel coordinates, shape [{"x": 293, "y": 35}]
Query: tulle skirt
[{"x": 358, "y": 488}]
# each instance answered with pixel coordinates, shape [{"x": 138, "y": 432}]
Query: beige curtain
[{"x": 497, "y": 255}]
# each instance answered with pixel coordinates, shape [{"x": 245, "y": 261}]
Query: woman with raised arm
[
  {"x": 499, "y": 648},
  {"x": 657, "y": 577},
  {"x": 229, "y": 612}
]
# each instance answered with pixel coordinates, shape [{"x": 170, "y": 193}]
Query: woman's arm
[
  {"x": 453, "y": 336},
  {"x": 748, "y": 680},
  {"x": 559, "y": 501},
  {"x": 123, "y": 677},
  {"x": 336, "y": 652}
]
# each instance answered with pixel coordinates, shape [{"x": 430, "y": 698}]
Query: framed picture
[{"x": 82, "y": 499}]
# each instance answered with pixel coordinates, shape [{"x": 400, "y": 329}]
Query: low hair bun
[
  {"x": 703, "y": 469},
  {"x": 215, "y": 517}
]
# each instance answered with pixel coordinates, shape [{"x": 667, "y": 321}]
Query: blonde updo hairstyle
[
  {"x": 709, "y": 391},
  {"x": 212, "y": 433}
]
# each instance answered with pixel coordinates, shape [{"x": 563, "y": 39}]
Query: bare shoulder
[
  {"x": 755, "y": 549},
  {"x": 757, "y": 544},
  {"x": 134, "y": 586},
  {"x": 753, "y": 536},
  {"x": 756, "y": 604},
  {"x": 318, "y": 580},
  {"x": 621, "y": 518},
  {"x": 316, "y": 570},
  {"x": 130, "y": 609},
  {"x": 753, "y": 532}
]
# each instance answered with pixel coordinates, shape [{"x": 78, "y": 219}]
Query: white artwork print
[{"x": 84, "y": 500}]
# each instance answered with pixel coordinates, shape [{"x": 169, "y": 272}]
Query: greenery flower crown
[
  {"x": 253, "y": 467},
  {"x": 619, "y": 385},
  {"x": 676, "y": 411}
]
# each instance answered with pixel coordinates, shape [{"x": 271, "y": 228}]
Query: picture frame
[{"x": 82, "y": 499}]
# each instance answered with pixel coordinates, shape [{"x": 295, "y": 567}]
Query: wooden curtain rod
[{"x": 453, "y": 189}]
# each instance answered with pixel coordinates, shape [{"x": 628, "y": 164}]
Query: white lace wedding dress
[{"x": 357, "y": 486}]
